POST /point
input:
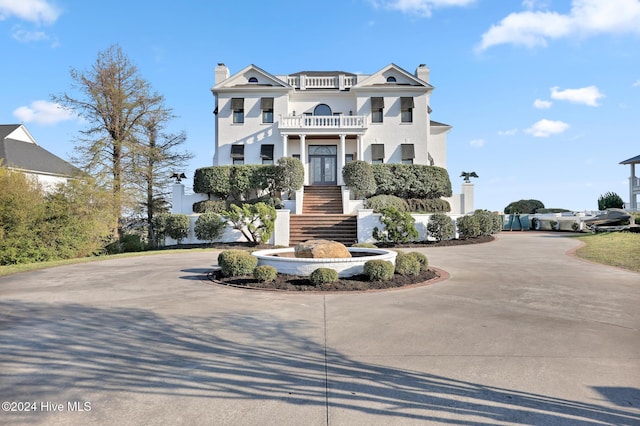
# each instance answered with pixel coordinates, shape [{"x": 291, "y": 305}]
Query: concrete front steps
[{"x": 336, "y": 227}]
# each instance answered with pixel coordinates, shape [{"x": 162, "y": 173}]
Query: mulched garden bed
[{"x": 285, "y": 282}]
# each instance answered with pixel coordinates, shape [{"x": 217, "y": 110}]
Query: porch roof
[{"x": 633, "y": 160}]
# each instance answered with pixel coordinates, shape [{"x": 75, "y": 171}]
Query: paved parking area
[{"x": 520, "y": 333}]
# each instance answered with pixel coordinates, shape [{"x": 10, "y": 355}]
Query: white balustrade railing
[
  {"x": 636, "y": 182},
  {"x": 322, "y": 121},
  {"x": 304, "y": 82}
]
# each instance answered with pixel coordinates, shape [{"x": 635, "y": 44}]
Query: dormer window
[
  {"x": 391, "y": 79},
  {"x": 253, "y": 80}
]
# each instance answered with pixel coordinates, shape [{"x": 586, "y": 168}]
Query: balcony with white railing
[
  {"x": 307, "y": 82},
  {"x": 635, "y": 183},
  {"x": 323, "y": 122}
]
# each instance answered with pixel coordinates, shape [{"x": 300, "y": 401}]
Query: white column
[
  {"x": 341, "y": 150},
  {"x": 303, "y": 158},
  {"x": 633, "y": 204},
  {"x": 285, "y": 140},
  {"x": 360, "y": 149}
]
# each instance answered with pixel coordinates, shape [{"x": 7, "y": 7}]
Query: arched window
[
  {"x": 322, "y": 109},
  {"x": 253, "y": 80},
  {"x": 391, "y": 79}
]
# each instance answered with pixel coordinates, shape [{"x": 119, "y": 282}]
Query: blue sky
[{"x": 543, "y": 95}]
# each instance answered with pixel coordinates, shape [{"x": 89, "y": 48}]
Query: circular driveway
[{"x": 521, "y": 333}]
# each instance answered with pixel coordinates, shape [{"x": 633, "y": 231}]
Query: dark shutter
[
  {"x": 377, "y": 152},
  {"x": 237, "y": 151},
  {"x": 266, "y": 152},
  {"x": 408, "y": 153},
  {"x": 266, "y": 103},
  {"x": 237, "y": 104},
  {"x": 377, "y": 103},
  {"x": 406, "y": 103}
]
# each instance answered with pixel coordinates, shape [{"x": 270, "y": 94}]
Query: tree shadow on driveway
[{"x": 66, "y": 351}]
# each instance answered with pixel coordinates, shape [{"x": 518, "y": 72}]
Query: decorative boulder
[{"x": 321, "y": 249}]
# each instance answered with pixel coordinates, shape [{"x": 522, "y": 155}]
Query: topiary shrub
[
  {"x": 265, "y": 273},
  {"x": 289, "y": 175},
  {"x": 358, "y": 176},
  {"x": 610, "y": 200},
  {"x": 209, "y": 227},
  {"x": 255, "y": 221},
  {"x": 236, "y": 263},
  {"x": 440, "y": 227},
  {"x": 323, "y": 276},
  {"x": 421, "y": 258},
  {"x": 213, "y": 180},
  {"x": 468, "y": 227},
  {"x": 380, "y": 202},
  {"x": 407, "y": 264},
  {"x": 412, "y": 181},
  {"x": 399, "y": 227},
  {"x": 364, "y": 245},
  {"x": 177, "y": 226},
  {"x": 428, "y": 205},
  {"x": 485, "y": 221},
  {"x": 378, "y": 270},
  {"x": 209, "y": 206}
]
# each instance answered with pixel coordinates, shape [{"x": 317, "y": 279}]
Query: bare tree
[{"x": 114, "y": 100}]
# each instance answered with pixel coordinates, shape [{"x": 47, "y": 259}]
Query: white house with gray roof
[
  {"x": 326, "y": 119},
  {"x": 19, "y": 151}
]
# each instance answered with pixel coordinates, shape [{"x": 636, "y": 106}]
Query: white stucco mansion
[{"x": 326, "y": 119}]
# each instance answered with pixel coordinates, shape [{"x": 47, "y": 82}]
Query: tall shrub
[
  {"x": 524, "y": 207},
  {"x": 215, "y": 180},
  {"x": 398, "y": 227},
  {"x": 468, "y": 227},
  {"x": 177, "y": 226},
  {"x": 209, "y": 227},
  {"x": 255, "y": 221},
  {"x": 412, "y": 181},
  {"x": 289, "y": 176},
  {"x": 440, "y": 227},
  {"x": 358, "y": 176}
]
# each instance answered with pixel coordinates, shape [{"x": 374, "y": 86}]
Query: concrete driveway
[{"x": 521, "y": 333}]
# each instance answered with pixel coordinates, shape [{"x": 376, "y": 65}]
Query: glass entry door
[{"x": 323, "y": 164}]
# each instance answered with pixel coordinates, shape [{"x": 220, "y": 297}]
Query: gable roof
[
  {"x": 29, "y": 156},
  {"x": 239, "y": 80},
  {"x": 378, "y": 79},
  {"x": 634, "y": 160}
]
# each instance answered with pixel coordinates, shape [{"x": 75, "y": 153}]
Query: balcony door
[{"x": 323, "y": 161}]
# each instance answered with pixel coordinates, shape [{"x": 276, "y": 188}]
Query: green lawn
[{"x": 620, "y": 249}]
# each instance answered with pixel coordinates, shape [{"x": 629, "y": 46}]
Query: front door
[{"x": 323, "y": 164}]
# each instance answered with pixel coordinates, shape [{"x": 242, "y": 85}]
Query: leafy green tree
[
  {"x": 440, "y": 227},
  {"x": 289, "y": 176},
  {"x": 524, "y": 207},
  {"x": 610, "y": 200},
  {"x": 177, "y": 226},
  {"x": 255, "y": 221},
  {"x": 358, "y": 176}
]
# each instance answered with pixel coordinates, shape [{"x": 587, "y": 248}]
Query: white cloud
[
  {"x": 419, "y": 7},
  {"x": 36, "y": 11},
  {"x": 477, "y": 143},
  {"x": 586, "y": 18},
  {"x": 510, "y": 132},
  {"x": 545, "y": 128},
  {"x": 43, "y": 112},
  {"x": 540, "y": 104},
  {"x": 585, "y": 95}
]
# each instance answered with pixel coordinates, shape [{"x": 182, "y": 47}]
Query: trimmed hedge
[
  {"x": 421, "y": 258},
  {"x": 378, "y": 270},
  {"x": 440, "y": 227},
  {"x": 323, "y": 276},
  {"x": 236, "y": 263},
  {"x": 428, "y": 205},
  {"x": 412, "y": 180},
  {"x": 358, "y": 176},
  {"x": 399, "y": 227},
  {"x": 381, "y": 202},
  {"x": 209, "y": 206}
]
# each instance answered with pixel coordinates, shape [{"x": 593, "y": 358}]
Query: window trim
[
  {"x": 377, "y": 109},
  {"x": 406, "y": 109},
  {"x": 237, "y": 108},
  {"x": 266, "y": 105},
  {"x": 377, "y": 153}
]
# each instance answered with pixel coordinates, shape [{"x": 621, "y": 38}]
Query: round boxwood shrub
[
  {"x": 421, "y": 258},
  {"x": 358, "y": 176},
  {"x": 468, "y": 227},
  {"x": 323, "y": 276},
  {"x": 209, "y": 206},
  {"x": 236, "y": 263},
  {"x": 440, "y": 227},
  {"x": 378, "y": 270},
  {"x": 407, "y": 264},
  {"x": 265, "y": 273},
  {"x": 365, "y": 245}
]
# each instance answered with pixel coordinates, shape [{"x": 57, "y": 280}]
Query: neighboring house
[
  {"x": 634, "y": 183},
  {"x": 19, "y": 151},
  {"x": 326, "y": 119}
]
